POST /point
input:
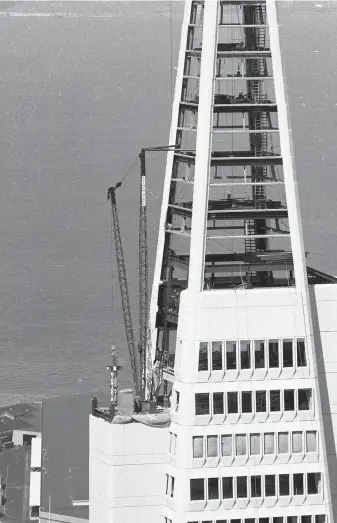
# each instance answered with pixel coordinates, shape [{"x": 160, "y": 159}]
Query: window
[
  {"x": 289, "y": 400},
  {"x": 291, "y": 519},
  {"x": 311, "y": 441},
  {"x": 246, "y": 402},
  {"x": 212, "y": 446},
  {"x": 283, "y": 443},
  {"x": 244, "y": 355},
  {"x": 304, "y": 399},
  {"x": 218, "y": 407},
  {"x": 284, "y": 484},
  {"x": 270, "y": 485},
  {"x": 314, "y": 482},
  {"x": 249, "y": 520},
  {"x": 241, "y": 486},
  {"x": 227, "y": 488},
  {"x": 226, "y": 445},
  {"x": 269, "y": 445},
  {"x": 167, "y": 477},
  {"x": 305, "y": 519},
  {"x": 288, "y": 353},
  {"x": 203, "y": 356},
  {"x": 177, "y": 400},
  {"x": 255, "y": 444},
  {"x": 198, "y": 447},
  {"x": 201, "y": 404},
  {"x": 231, "y": 355},
  {"x": 275, "y": 401},
  {"x": 298, "y": 484},
  {"x": 216, "y": 355},
  {"x": 301, "y": 355},
  {"x": 261, "y": 401},
  {"x": 278, "y": 520},
  {"x": 297, "y": 442},
  {"x": 259, "y": 354},
  {"x": 255, "y": 485},
  {"x": 232, "y": 403},
  {"x": 213, "y": 488},
  {"x": 172, "y": 487},
  {"x": 197, "y": 489},
  {"x": 240, "y": 445},
  {"x": 320, "y": 519},
  {"x": 273, "y": 354},
  {"x": 263, "y": 520}
]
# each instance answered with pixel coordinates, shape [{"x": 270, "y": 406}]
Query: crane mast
[
  {"x": 124, "y": 287},
  {"x": 143, "y": 278}
]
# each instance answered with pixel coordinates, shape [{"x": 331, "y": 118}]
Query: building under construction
[{"x": 240, "y": 330}]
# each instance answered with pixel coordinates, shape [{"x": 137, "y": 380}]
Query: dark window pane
[
  {"x": 275, "y": 403},
  {"x": 203, "y": 356},
  {"x": 231, "y": 355},
  {"x": 270, "y": 485},
  {"x": 314, "y": 483},
  {"x": 263, "y": 520},
  {"x": 246, "y": 402},
  {"x": 304, "y": 399},
  {"x": 241, "y": 486},
  {"x": 291, "y": 519},
  {"x": 177, "y": 400},
  {"x": 232, "y": 402},
  {"x": 284, "y": 484},
  {"x": 278, "y": 520},
  {"x": 301, "y": 355},
  {"x": 305, "y": 519},
  {"x": 245, "y": 355},
  {"x": 261, "y": 401},
  {"x": 298, "y": 484},
  {"x": 255, "y": 485},
  {"x": 249, "y": 520},
  {"x": 288, "y": 353},
  {"x": 227, "y": 488},
  {"x": 216, "y": 355},
  {"x": 320, "y": 519},
  {"x": 259, "y": 354},
  {"x": 201, "y": 404},
  {"x": 218, "y": 407},
  {"x": 289, "y": 400},
  {"x": 213, "y": 488},
  {"x": 197, "y": 488},
  {"x": 172, "y": 486},
  {"x": 273, "y": 354}
]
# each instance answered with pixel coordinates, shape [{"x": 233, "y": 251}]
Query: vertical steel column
[{"x": 203, "y": 146}]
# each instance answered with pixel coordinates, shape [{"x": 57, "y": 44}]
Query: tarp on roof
[
  {"x": 159, "y": 419},
  {"x": 35, "y": 461},
  {"x": 35, "y": 489}
]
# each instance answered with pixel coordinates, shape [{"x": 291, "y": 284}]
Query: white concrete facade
[
  {"x": 126, "y": 475},
  {"x": 228, "y": 316}
]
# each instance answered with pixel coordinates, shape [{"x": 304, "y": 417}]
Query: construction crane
[
  {"x": 145, "y": 338},
  {"x": 124, "y": 287},
  {"x": 143, "y": 380}
]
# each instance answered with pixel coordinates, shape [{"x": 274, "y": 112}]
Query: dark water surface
[{"x": 83, "y": 87}]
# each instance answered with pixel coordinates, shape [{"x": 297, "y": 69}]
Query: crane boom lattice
[{"x": 124, "y": 287}]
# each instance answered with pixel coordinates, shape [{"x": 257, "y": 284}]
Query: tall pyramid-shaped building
[{"x": 247, "y": 331}]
